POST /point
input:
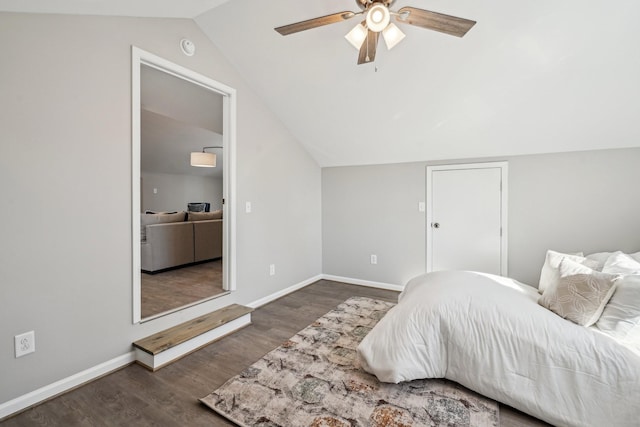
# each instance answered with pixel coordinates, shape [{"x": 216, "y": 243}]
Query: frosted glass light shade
[
  {"x": 203, "y": 160},
  {"x": 357, "y": 36},
  {"x": 378, "y": 17},
  {"x": 392, "y": 36}
]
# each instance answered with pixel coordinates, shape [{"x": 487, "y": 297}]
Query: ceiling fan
[{"x": 377, "y": 14}]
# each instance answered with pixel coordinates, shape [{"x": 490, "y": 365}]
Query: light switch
[
  {"x": 421, "y": 207},
  {"x": 247, "y": 207},
  {"x": 155, "y": 191}
]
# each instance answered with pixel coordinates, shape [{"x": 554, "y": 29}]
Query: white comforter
[{"x": 489, "y": 334}]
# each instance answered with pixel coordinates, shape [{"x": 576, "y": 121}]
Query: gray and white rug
[{"x": 313, "y": 379}]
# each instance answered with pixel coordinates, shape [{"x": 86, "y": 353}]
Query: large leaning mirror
[{"x": 182, "y": 162}]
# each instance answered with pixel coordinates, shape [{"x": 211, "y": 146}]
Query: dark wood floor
[
  {"x": 134, "y": 396},
  {"x": 168, "y": 290}
]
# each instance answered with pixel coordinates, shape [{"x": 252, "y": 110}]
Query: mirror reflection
[{"x": 181, "y": 199}]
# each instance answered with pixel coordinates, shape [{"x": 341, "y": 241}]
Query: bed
[{"x": 490, "y": 334}]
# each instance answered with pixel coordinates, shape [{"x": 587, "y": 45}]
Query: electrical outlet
[
  {"x": 25, "y": 343},
  {"x": 374, "y": 259},
  {"x": 272, "y": 270}
]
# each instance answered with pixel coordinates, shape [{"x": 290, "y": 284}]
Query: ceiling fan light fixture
[
  {"x": 392, "y": 35},
  {"x": 357, "y": 36},
  {"x": 378, "y": 17},
  {"x": 203, "y": 160}
]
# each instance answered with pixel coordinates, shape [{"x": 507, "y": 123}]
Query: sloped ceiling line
[{"x": 530, "y": 77}]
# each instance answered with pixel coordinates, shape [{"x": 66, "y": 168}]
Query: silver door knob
[{"x": 435, "y": 224}]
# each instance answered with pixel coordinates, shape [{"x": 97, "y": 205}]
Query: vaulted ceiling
[
  {"x": 530, "y": 77},
  {"x": 177, "y": 117}
]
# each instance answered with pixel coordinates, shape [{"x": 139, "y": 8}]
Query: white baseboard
[
  {"x": 276, "y": 295},
  {"x": 40, "y": 395},
  {"x": 47, "y": 392},
  {"x": 361, "y": 282},
  {"x": 307, "y": 282},
  {"x": 155, "y": 362}
]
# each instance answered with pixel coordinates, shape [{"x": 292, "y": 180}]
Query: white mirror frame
[{"x": 140, "y": 57}]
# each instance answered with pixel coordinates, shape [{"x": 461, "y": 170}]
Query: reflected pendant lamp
[{"x": 203, "y": 160}]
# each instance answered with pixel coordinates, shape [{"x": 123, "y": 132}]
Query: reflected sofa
[{"x": 176, "y": 239}]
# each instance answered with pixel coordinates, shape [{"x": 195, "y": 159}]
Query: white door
[{"x": 466, "y": 218}]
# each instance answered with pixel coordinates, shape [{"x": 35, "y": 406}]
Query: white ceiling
[
  {"x": 141, "y": 8},
  {"x": 166, "y": 145},
  {"x": 531, "y": 76},
  {"x": 177, "y": 117},
  {"x": 183, "y": 100}
]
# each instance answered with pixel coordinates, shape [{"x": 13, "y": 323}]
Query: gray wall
[
  {"x": 65, "y": 226},
  {"x": 175, "y": 191},
  {"x": 65, "y": 162},
  {"x": 584, "y": 201}
]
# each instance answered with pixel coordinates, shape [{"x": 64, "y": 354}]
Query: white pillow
[
  {"x": 600, "y": 257},
  {"x": 620, "y": 263},
  {"x": 621, "y": 316},
  {"x": 580, "y": 294},
  {"x": 550, "y": 275}
]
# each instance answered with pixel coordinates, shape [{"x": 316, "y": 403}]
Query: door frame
[
  {"x": 141, "y": 57},
  {"x": 504, "y": 203}
]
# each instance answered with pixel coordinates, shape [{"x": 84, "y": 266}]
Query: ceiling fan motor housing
[{"x": 378, "y": 18}]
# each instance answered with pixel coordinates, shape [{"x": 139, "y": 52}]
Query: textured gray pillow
[{"x": 580, "y": 294}]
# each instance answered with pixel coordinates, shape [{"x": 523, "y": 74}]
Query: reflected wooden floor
[
  {"x": 134, "y": 396},
  {"x": 172, "y": 289}
]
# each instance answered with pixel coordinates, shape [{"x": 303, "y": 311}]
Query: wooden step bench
[{"x": 162, "y": 348}]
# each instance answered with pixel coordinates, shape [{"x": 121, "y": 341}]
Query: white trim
[
  {"x": 307, "y": 282},
  {"x": 139, "y": 57},
  {"x": 40, "y": 395},
  {"x": 47, "y": 392},
  {"x": 163, "y": 358},
  {"x": 504, "y": 169},
  {"x": 229, "y": 192},
  {"x": 135, "y": 181},
  {"x": 504, "y": 218},
  {"x": 274, "y": 296},
  {"x": 360, "y": 282}
]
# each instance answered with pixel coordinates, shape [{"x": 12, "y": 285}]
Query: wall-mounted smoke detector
[{"x": 187, "y": 46}]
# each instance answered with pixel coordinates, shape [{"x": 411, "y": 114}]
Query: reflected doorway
[
  {"x": 181, "y": 253},
  {"x": 181, "y": 260}
]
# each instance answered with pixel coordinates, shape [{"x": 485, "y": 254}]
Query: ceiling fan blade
[
  {"x": 368, "y": 49},
  {"x": 435, "y": 21},
  {"x": 285, "y": 30}
]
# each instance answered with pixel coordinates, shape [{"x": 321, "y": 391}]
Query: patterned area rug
[{"x": 313, "y": 379}]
